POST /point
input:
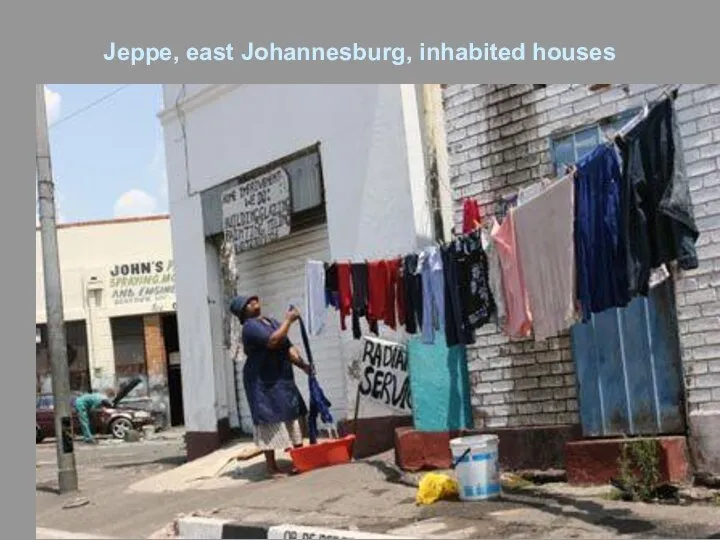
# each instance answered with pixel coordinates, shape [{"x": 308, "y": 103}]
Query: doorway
[{"x": 174, "y": 375}]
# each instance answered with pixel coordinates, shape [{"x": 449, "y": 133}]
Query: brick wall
[
  {"x": 156, "y": 361},
  {"x": 154, "y": 347},
  {"x": 499, "y": 140}
]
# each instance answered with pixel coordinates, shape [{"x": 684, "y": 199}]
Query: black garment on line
[
  {"x": 331, "y": 286},
  {"x": 360, "y": 299},
  {"x": 655, "y": 200},
  {"x": 455, "y": 324},
  {"x": 467, "y": 289},
  {"x": 475, "y": 282},
  {"x": 413, "y": 294}
]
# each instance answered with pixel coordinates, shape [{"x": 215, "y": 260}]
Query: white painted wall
[
  {"x": 88, "y": 250},
  {"x": 373, "y": 168}
]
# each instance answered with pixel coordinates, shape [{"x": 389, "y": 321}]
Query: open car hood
[{"x": 125, "y": 389}]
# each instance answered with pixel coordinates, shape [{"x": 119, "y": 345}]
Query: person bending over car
[{"x": 85, "y": 404}]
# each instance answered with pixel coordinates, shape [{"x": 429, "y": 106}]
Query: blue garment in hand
[{"x": 600, "y": 251}]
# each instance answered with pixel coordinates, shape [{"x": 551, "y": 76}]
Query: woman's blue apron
[{"x": 270, "y": 384}]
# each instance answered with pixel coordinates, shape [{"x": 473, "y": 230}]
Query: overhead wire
[{"x": 89, "y": 106}]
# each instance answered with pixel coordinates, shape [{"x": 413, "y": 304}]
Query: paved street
[{"x": 133, "y": 490}]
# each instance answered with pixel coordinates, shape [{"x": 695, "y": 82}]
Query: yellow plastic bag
[{"x": 434, "y": 487}]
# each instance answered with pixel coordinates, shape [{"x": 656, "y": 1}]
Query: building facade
[
  {"x": 504, "y": 137},
  {"x": 354, "y": 158},
  {"x": 118, "y": 280}
]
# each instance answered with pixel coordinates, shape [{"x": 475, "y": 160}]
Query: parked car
[{"x": 115, "y": 421}]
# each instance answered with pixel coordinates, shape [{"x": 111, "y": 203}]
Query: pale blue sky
[{"x": 108, "y": 159}]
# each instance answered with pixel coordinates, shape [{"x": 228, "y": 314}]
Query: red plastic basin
[{"x": 324, "y": 454}]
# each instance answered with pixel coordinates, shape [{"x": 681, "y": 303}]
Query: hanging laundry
[
  {"x": 360, "y": 299},
  {"x": 456, "y": 325},
  {"x": 531, "y": 191},
  {"x": 430, "y": 266},
  {"x": 658, "y": 217},
  {"x": 332, "y": 296},
  {"x": 344, "y": 284},
  {"x": 472, "y": 218},
  {"x": 413, "y": 294},
  {"x": 474, "y": 281},
  {"x": 392, "y": 268},
  {"x": 600, "y": 250},
  {"x": 400, "y": 300},
  {"x": 659, "y": 276},
  {"x": 468, "y": 301},
  {"x": 545, "y": 244},
  {"x": 315, "y": 299},
  {"x": 518, "y": 317},
  {"x": 495, "y": 278},
  {"x": 377, "y": 290}
]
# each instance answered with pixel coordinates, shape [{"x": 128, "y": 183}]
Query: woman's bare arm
[
  {"x": 297, "y": 360},
  {"x": 279, "y": 336}
]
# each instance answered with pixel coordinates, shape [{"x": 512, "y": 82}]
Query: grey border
[{"x": 653, "y": 40}]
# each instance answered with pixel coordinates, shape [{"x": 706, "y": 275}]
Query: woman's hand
[
  {"x": 307, "y": 369},
  {"x": 293, "y": 314}
]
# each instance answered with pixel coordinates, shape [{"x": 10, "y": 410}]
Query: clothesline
[
  {"x": 507, "y": 201},
  {"x": 568, "y": 248}
]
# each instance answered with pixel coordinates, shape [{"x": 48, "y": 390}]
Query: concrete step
[{"x": 595, "y": 461}]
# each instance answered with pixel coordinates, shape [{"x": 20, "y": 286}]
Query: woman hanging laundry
[{"x": 276, "y": 404}]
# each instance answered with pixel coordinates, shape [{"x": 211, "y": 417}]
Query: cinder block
[
  {"x": 596, "y": 461},
  {"x": 417, "y": 450}
]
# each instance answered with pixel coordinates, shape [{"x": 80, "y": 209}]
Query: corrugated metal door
[
  {"x": 628, "y": 369},
  {"x": 276, "y": 273}
]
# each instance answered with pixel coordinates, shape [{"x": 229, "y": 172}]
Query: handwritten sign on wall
[
  {"x": 384, "y": 374},
  {"x": 258, "y": 211}
]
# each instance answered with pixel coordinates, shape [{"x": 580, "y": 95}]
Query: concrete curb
[{"x": 215, "y": 529}]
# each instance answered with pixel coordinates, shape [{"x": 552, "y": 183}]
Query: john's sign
[
  {"x": 141, "y": 268},
  {"x": 144, "y": 282}
]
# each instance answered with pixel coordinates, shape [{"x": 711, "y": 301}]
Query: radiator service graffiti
[
  {"x": 144, "y": 282},
  {"x": 385, "y": 374}
]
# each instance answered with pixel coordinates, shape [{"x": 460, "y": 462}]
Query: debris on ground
[
  {"x": 435, "y": 487},
  {"x": 132, "y": 435},
  {"x": 76, "y": 503},
  {"x": 699, "y": 494},
  {"x": 662, "y": 493},
  {"x": 248, "y": 453},
  {"x": 172, "y": 530},
  {"x": 708, "y": 480},
  {"x": 512, "y": 481},
  {"x": 243, "y": 455},
  {"x": 169, "y": 531},
  {"x": 546, "y": 476}
]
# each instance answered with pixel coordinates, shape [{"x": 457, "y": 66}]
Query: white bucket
[{"x": 476, "y": 469}]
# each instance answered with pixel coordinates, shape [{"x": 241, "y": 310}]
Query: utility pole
[{"x": 67, "y": 473}]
